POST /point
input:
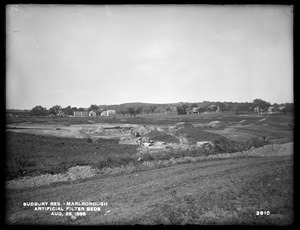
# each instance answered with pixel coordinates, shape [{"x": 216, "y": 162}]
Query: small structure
[
  {"x": 271, "y": 109},
  {"x": 108, "y": 113},
  {"x": 60, "y": 113},
  {"x": 92, "y": 113},
  {"x": 256, "y": 109},
  {"x": 104, "y": 114},
  {"x": 80, "y": 114},
  {"x": 195, "y": 110},
  {"x": 188, "y": 111}
]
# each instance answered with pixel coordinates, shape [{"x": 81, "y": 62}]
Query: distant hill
[
  {"x": 228, "y": 106},
  {"x": 141, "y": 104}
]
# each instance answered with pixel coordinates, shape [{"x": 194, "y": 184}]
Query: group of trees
[
  {"x": 54, "y": 110},
  {"x": 234, "y": 106},
  {"x": 181, "y": 109},
  {"x": 134, "y": 109},
  {"x": 130, "y": 111},
  {"x": 39, "y": 111}
]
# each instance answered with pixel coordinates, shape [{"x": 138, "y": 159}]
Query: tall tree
[
  {"x": 168, "y": 109},
  {"x": 181, "y": 109},
  {"x": 74, "y": 109},
  {"x": 93, "y": 107},
  {"x": 131, "y": 111},
  {"x": 138, "y": 110},
  {"x": 54, "y": 109},
  {"x": 68, "y": 110},
  {"x": 194, "y": 105},
  {"x": 261, "y": 104},
  {"x": 152, "y": 108},
  {"x": 38, "y": 111}
]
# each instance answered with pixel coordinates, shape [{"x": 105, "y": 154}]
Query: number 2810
[{"x": 262, "y": 213}]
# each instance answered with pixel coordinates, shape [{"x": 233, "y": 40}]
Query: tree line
[
  {"x": 258, "y": 105},
  {"x": 181, "y": 108}
]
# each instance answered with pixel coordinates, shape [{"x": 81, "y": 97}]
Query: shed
[
  {"x": 60, "y": 113},
  {"x": 92, "y": 113},
  {"x": 108, "y": 113}
]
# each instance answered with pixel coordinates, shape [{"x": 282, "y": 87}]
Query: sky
[{"x": 80, "y": 55}]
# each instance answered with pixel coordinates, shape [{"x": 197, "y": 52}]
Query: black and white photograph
[{"x": 145, "y": 114}]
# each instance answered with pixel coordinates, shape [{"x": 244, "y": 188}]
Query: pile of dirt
[
  {"x": 206, "y": 145},
  {"x": 127, "y": 141},
  {"x": 217, "y": 124},
  {"x": 181, "y": 125},
  {"x": 80, "y": 172},
  {"x": 98, "y": 130},
  {"x": 141, "y": 129},
  {"x": 263, "y": 119}
]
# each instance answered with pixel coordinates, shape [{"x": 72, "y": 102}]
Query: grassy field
[
  {"x": 31, "y": 155},
  {"x": 235, "y": 203},
  {"x": 229, "y": 191}
]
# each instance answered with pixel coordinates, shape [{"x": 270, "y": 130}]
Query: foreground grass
[
  {"x": 235, "y": 202},
  {"x": 228, "y": 191},
  {"x": 31, "y": 155}
]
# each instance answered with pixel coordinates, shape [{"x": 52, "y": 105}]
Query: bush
[{"x": 181, "y": 109}]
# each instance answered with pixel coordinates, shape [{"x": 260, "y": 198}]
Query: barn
[
  {"x": 92, "y": 113},
  {"x": 60, "y": 113},
  {"x": 80, "y": 114}
]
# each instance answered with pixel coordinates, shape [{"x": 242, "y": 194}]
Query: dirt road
[{"x": 131, "y": 198}]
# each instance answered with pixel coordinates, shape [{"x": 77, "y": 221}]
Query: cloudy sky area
[{"x": 83, "y": 55}]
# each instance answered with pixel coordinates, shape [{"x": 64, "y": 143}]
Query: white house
[
  {"x": 92, "y": 113},
  {"x": 108, "y": 113},
  {"x": 60, "y": 113}
]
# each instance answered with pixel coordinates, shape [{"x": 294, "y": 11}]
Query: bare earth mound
[{"x": 181, "y": 125}]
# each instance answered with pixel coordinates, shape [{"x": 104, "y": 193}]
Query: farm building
[
  {"x": 271, "y": 109},
  {"x": 80, "y": 114},
  {"x": 108, "y": 113},
  {"x": 195, "y": 110},
  {"x": 92, "y": 113},
  {"x": 60, "y": 113}
]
